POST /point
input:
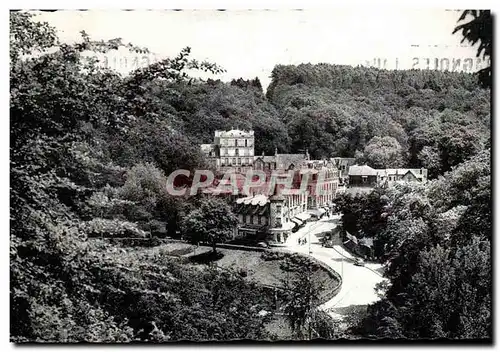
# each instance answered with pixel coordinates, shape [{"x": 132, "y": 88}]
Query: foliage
[
  {"x": 112, "y": 228},
  {"x": 435, "y": 242},
  {"x": 90, "y": 151},
  {"x": 86, "y": 159},
  {"x": 212, "y": 221},
  {"x": 382, "y": 153},
  {"x": 302, "y": 298},
  {"x": 479, "y": 29},
  {"x": 337, "y": 110}
]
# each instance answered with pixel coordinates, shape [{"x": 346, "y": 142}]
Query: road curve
[{"x": 358, "y": 283}]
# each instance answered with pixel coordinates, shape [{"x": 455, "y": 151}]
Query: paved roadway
[{"x": 358, "y": 283}]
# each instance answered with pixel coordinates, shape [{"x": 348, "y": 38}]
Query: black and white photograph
[{"x": 250, "y": 175}]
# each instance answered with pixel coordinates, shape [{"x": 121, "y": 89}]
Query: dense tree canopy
[
  {"x": 337, "y": 110},
  {"x": 435, "y": 242},
  {"x": 212, "y": 221},
  {"x": 382, "y": 153},
  {"x": 89, "y": 154}
]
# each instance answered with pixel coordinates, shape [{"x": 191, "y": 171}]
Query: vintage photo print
[{"x": 279, "y": 175}]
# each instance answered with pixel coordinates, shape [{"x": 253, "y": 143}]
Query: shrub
[
  {"x": 113, "y": 228},
  {"x": 272, "y": 255}
]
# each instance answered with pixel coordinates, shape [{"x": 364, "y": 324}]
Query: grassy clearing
[
  {"x": 251, "y": 263},
  {"x": 269, "y": 272}
]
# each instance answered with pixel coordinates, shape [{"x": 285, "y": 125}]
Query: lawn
[
  {"x": 269, "y": 272},
  {"x": 263, "y": 272}
]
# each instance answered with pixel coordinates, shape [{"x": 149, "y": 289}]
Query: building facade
[
  {"x": 232, "y": 149},
  {"x": 365, "y": 176},
  {"x": 269, "y": 218},
  {"x": 343, "y": 165},
  {"x": 322, "y": 185},
  {"x": 272, "y": 216}
]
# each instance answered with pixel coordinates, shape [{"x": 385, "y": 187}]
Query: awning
[
  {"x": 351, "y": 237},
  {"x": 303, "y": 216},
  {"x": 256, "y": 200},
  {"x": 365, "y": 241}
]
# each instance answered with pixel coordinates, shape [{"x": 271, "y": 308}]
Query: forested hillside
[
  {"x": 435, "y": 241},
  {"x": 384, "y": 118},
  {"x": 432, "y": 119},
  {"x": 91, "y": 150}
]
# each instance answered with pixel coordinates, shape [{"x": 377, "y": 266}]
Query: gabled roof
[
  {"x": 285, "y": 160},
  {"x": 265, "y": 158},
  {"x": 362, "y": 170},
  {"x": 414, "y": 172}
]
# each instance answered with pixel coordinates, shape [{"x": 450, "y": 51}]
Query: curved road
[{"x": 358, "y": 283}]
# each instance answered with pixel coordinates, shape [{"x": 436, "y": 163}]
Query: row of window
[
  {"x": 225, "y": 152},
  {"x": 253, "y": 219},
  {"x": 236, "y": 161},
  {"x": 241, "y": 142}
]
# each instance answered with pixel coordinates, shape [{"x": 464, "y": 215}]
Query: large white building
[{"x": 232, "y": 149}]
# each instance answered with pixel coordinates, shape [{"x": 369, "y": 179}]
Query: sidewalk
[{"x": 310, "y": 229}]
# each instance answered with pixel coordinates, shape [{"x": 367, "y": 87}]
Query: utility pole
[
  {"x": 342, "y": 263},
  {"x": 310, "y": 301},
  {"x": 309, "y": 240}
]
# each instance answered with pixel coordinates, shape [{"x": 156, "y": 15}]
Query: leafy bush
[
  {"x": 112, "y": 228},
  {"x": 296, "y": 263},
  {"x": 268, "y": 255}
]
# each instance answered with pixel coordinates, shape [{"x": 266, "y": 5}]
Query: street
[{"x": 358, "y": 283}]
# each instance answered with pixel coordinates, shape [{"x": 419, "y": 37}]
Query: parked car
[
  {"x": 326, "y": 242},
  {"x": 359, "y": 262},
  {"x": 262, "y": 244}
]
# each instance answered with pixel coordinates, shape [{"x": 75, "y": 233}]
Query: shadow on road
[
  {"x": 341, "y": 260},
  {"x": 353, "y": 309}
]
